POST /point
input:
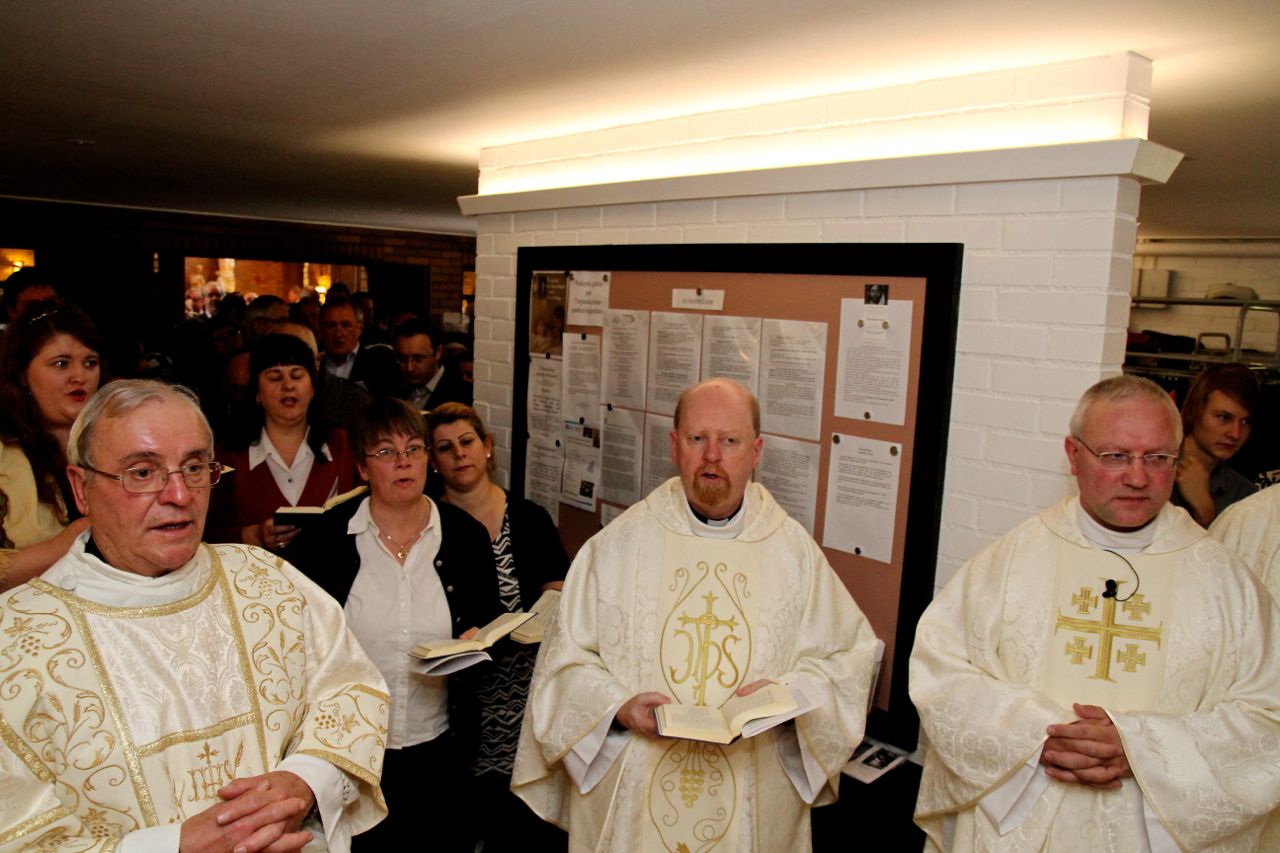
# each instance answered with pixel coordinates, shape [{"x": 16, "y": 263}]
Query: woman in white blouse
[{"x": 408, "y": 570}]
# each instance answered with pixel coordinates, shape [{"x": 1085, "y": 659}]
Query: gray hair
[
  {"x": 1123, "y": 388},
  {"x": 120, "y": 398}
]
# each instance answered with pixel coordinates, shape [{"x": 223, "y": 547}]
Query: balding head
[{"x": 716, "y": 445}]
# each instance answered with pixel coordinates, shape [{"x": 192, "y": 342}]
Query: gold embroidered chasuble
[
  {"x": 1186, "y": 661},
  {"x": 649, "y": 606},
  {"x": 114, "y": 719}
]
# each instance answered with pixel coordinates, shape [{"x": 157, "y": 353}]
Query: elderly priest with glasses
[
  {"x": 158, "y": 694},
  {"x": 1105, "y": 676}
]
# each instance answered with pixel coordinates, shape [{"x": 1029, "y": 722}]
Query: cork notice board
[{"x": 804, "y": 286}]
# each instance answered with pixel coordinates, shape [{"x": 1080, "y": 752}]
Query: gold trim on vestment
[
  {"x": 28, "y": 755},
  {"x": 369, "y": 691},
  {"x": 30, "y": 825},
  {"x": 213, "y": 731},
  {"x": 246, "y": 669},
  {"x": 130, "y": 752},
  {"x": 72, "y": 600},
  {"x": 344, "y": 764}
]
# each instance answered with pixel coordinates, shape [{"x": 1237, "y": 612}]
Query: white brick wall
[{"x": 1047, "y": 267}]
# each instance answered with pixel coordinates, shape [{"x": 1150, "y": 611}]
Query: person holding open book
[
  {"x": 285, "y": 454},
  {"x": 407, "y": 571},
  {"x": 530, "y": 560},
  {"x": 705, "y": 592}
]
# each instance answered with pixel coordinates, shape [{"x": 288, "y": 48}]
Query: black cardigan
[
  {"x": 329, "y": 557},
  {"x": 535, "y": 545}
]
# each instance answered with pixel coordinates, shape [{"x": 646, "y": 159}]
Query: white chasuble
[
  {"x": 648, "y": 606},
  {"x": 1189, "y": 672},
  {"x": 115, "y": 719}
]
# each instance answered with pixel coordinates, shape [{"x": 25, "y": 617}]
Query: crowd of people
[{"x": 183, "y": 669}]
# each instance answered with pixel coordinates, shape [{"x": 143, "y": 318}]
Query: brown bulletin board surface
[
  {"x": 814, "y": 298},
  {"x": 758, "y": 283}
]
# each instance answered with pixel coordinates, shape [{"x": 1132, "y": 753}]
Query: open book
[
  {"x": 771, "y": 705},
  {"x": 532, "y": 631},
  {"x": 489, "y": 634},
  {"x": 301, "y": 516}
]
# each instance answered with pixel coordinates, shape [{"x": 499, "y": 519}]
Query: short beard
[{"x": 710, "y": 495}]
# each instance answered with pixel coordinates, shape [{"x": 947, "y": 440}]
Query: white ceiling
[{"x": 373, "y": 113}]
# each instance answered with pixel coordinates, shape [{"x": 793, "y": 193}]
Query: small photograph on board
[
  {"x": 871, "y": 760},
  {"x": 876, "y": 294},
  {"x": 546, "y": 312}
]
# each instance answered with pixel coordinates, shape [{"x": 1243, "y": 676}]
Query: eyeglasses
[
  {"x": 148, "y": 479},
  {"x": 1117, "y": 459},
  {"x": 389, "y": 455}
]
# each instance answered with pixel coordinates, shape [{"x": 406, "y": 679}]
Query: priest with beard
[{"x": 703, "y": 591}]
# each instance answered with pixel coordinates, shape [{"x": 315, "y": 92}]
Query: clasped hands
[
  {"x": 636, "y": 714},
  {"x": 1086, "y": 752},
  {"x": 261, "y": 814}
]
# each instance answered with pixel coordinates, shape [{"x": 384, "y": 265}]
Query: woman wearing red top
[{"x": 285, "y": 455}]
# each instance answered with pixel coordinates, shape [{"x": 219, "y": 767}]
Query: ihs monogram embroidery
[{"x": 206, "y": 781}]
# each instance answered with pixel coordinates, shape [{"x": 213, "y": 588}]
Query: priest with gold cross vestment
[
  {"x": 1105, "y": 676},
  {"x": 704, "y": 591}
]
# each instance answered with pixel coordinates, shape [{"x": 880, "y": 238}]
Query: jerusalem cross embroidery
[{"x": 1105, "y": 632}]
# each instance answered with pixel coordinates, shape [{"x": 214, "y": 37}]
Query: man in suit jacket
[
  {"x": 426, "y": 383},
  {"x": 373, "y": 367}
]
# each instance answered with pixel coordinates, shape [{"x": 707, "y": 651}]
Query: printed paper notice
[
  {"x": 862, "y": 496},
  {"x": 544, "y": 460},
  {"x": 658, "y": 467},
  {"x": 581, "y": 466},
  {"x": 793, "y": 363},
  {"x": 608, "y": 512},
  {"x": 546, "y": 312},
  {"x": 789, "y": 470},
  {"x": 626, "y": 355},
  {"x": 580, "y": 394},
  {"x": 675, "y": 342},
  {"x": 588, "y": 297},
  {"x": 544, "y": 396},
  {"x": 731, "y": 350},
  {"x": 874, "y": 360},
  {"x": 621, "y": 452}
]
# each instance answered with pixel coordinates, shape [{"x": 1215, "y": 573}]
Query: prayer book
[
  {"x": 489, "y": 634},
  {"x": 531, "y": 632},
  {"x": 304, "y": 516},
  {"x": 745, "y": 716}
]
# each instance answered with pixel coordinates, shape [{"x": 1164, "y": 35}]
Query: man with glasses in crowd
[
  {"x": 169, "y": 695},
  {"x": 1105, "y": 676}
]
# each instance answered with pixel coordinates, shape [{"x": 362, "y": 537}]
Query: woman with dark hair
[
  {"x": 283, "y": 454},
  {"x": 50, "y": 366},
  {"x": 1218, "y": 417},
  {"x": 408, "y": 570},
  {"x": 529, "y": 559}
]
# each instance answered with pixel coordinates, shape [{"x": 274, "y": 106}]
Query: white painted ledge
[{"x": 1146, "y": 161}]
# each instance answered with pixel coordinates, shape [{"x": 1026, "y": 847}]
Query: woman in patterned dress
[{"x": 529, "y": 559}]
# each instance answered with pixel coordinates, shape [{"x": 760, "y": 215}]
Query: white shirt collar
[
  {"x": 90, "y": 578},
  {"x": 263, "y": 448},
  {"x": 363, "y": 521},
  {"x": 726, "y": 528},
  {"x": 1124, "y": 542}
]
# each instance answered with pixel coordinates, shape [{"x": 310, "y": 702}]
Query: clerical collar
[
  {"x": 716, "y": 528},
  {"x": 1123, "y": 542}
]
